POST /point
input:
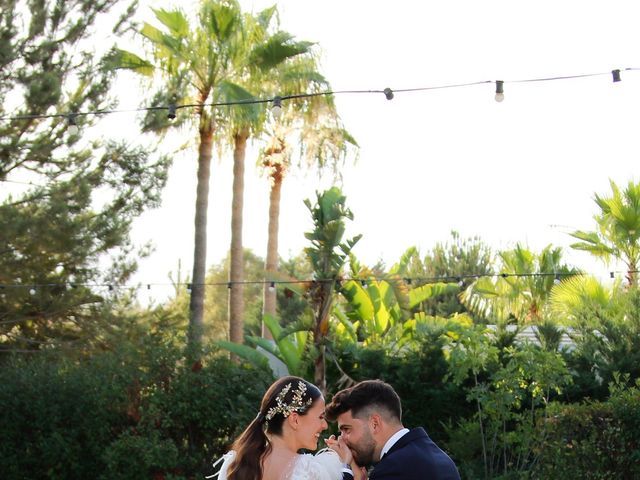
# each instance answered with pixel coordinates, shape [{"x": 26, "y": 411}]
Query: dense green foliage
[
  {"x": 593, "y": 440},
  {"x": 66, "y": 239},
  {"x": 115, "y": 416}
]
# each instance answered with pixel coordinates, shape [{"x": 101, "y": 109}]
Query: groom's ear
[{"x": 375, "y": 421}]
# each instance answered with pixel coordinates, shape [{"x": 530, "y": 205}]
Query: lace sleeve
[{"x": 226, "y": 460}]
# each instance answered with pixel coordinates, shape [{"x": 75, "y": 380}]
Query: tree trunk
[
  {"x": 236, "y": 269},
  {"x": 271, "y": 263},
  {"x": 196, "y": 302},
  {"x": 320, "y": 331}
]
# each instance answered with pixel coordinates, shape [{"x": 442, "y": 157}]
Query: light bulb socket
[
  {"x": 276, "y": 107},
  {"x": 172, "y": 111},
  {"x": 388, "y": 93},
  {"x": 72, "y": 124},
  {"x": 616, "y": 75},
  {"x": 499, "y": 90}
]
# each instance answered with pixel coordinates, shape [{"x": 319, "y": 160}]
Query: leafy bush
[
  {"x": 593, "y": 440},
  {"x": 417, "y": 374},
  {"x": 109, "y": 417},
  {"x": 57, "y": 417}
]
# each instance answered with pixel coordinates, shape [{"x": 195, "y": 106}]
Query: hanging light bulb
[
  {"x": 72, "y": 126},
  {"x": 557, "y": 279},
  {"x": 272, "y": 286},
  {"x": 276, "y": 108},
  {"x": 499, "y": 91},
  {"x": 172, "y": 111},
  {"x": 388, "y": 93},
  {"x": 616, "y": 75},
  {"x": 364, "y": 283},
  {"x": 32, "y": 291}
]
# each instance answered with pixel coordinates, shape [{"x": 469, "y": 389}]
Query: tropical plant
[
  {"x": 328, "y": 254},
  {"x": 266, "y": 50},
  {"x": 607, "y": 341},
  {"x": 313, "y": 123},
  {"x": 568, "y": 299},
  {"x": 618, "y": 229},
  {"x": 521, "y": 290},
  {"x": 196, "y": 65},
  {"x": 380, "y": 310},
  {"x": 457, "y": 260},
  {"x": 204, "y": 63}
]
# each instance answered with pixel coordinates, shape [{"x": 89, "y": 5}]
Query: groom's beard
[{"x": 364, "y": 450}]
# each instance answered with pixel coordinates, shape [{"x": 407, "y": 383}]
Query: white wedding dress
[{"x": 325, "y": 465}]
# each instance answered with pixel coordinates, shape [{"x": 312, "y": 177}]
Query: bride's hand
[{"x": 338, "y": 446}]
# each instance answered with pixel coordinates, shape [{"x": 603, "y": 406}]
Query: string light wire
[
  {"x": 273, "y": 283},
  {"x": 388, "y": 92}
]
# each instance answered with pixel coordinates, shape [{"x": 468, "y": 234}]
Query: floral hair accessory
[{"x": 296, "y": 405}]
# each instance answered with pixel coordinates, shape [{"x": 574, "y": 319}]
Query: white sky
[{"x": 445, "y": 159}]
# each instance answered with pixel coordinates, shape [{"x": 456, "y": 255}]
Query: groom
[{"x": 369, "y": 417}]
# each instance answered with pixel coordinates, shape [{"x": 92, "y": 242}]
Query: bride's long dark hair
[{"x": 253, "y": 445}]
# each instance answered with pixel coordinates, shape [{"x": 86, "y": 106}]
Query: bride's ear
[{"x": 294, "y": 420}]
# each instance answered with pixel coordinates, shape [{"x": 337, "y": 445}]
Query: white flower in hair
[{"x": 297, "y": 404}]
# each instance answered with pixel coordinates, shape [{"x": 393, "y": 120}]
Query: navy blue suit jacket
[{"x": 415, "y": 457}]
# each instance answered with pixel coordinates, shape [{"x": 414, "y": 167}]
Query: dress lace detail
[{"x": 325, "y": 465}]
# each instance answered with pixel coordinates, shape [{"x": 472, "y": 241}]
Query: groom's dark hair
[{"x": 364, "y": 397}]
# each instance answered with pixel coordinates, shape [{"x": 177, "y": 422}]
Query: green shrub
[
  {"x": 418, "y": 377},
  {"x": 594, "y": 440},
  {"x": 110, "y": 417},
  {"x": 57, "y": 417}
]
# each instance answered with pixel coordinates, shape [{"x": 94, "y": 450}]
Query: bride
[{"x": 291, "y": 418}]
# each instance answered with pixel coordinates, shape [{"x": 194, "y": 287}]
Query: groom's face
[{"x": 356, "y": 433}]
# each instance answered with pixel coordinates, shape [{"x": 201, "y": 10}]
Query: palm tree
[
  {"x": 618, "y": 229},
  {"x": 521, "y": 290},
  {"x": 578, "y": 293},
  {"x": 311, "y": 122},
  {"x": 266, "y": 51},
  {"x": 196, "y": 64}
]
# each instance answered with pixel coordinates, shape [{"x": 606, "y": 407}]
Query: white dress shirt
[{"x": 392, "y": 441}]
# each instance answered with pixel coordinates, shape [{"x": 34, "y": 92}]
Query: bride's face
[{"x": 311, "y": 425}]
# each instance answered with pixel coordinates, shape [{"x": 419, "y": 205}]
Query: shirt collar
[{"x": 392, "y": 441}]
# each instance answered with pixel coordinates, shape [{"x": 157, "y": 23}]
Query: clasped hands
[{"x": 339, "y": 446}]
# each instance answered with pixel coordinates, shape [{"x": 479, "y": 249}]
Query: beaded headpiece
[{"x": 296, "y": 405}]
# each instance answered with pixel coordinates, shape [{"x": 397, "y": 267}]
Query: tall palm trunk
[
  {"x": 196, "y": 303},
  {"x": 320, "y": 331},
  {"x": 236, "y": 269},
  {"x": 271, "y": 263}
]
